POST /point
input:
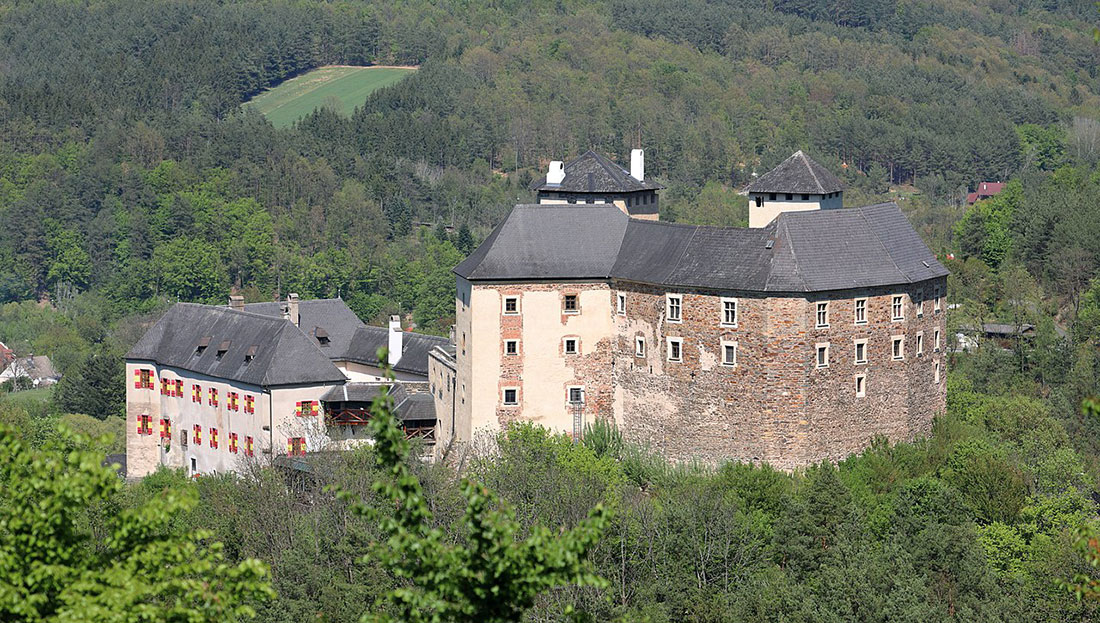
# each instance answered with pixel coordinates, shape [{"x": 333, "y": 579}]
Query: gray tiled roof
[
  {"x": 797, "y": 174},
  {"x": 592, "y": 173},
  {"x": 284, "y": 355},
  {"x": 415, "y": 347},
  {"x": 810, "y": 251},
  {"x": 332, "y": 315},
  {"x": 415, "y": 405}
]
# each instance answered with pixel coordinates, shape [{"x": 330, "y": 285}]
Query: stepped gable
[
  {"x": 809, "y": 251},
  {"x": 592, "y": 173},
  {"x": 414, "y": 346},
  {"x": 333, "y": 316},
  {"x": 797, "y": 174},
  {"x": 259, "y": 349}
]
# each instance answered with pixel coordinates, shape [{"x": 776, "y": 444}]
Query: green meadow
[{"x": 342, "y": 86}]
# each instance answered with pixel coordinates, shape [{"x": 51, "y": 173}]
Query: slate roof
[
  {"x": 408, "y": 405},
  {"x": 336, "y": 319},
  {"x": 593, "y": 173},
  {"x": 415, "y": 348},
  {"x": 797, "y": 174},
  {"x": 36, "y": 368},
  {"x": 283, "y": 356},
  {"x": 809, "y": 251}
]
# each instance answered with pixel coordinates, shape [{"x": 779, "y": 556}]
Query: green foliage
[
  {"x": 190, "y": 270},
  {"x": 135, "y": 567},
  {"x": 495, "y": 575},
  {"x": 992, "y": 486},
  {"x": 97, "y": 388},
  {"x": 985, "y": 231}
]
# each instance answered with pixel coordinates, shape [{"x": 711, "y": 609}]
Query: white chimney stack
[
  {"x": 397, "y": 336},
  {"x": 556, "y": 173},
  {"x": 637, "y": 164},
  {"x": 292, "y": 308}
]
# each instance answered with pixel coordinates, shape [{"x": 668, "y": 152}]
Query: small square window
[
  {"x": 790, "y": 196},
  {"x": 897, "y": 308},
  {"x": 861, "y": 351},
  {"x": 729, "y": 353},
  {"x": 861, "y": 311},
  {"x": 729, "y": 312},
  {"x": 511, "y": 305},
  {"x": 576, "y": 395},
  {"x": 675, "y": 349},
  {"x": 771, "y": 196},
  {"x": 620, "y": 304},
  {"x": 570, "y": 346},
  {"x": 920, "y": 343},
  {"x": 898, "y": 347},
  {"x": 861, "y": 385},
  {"x": 823, "y": 355},
  {"x": 805, "y": 197},
  {"x": 822, "y": 315},
  {"x": 639, "y": 346},
  {"x": 675, "y": 307},
  {"x": 569, "y": 304},
  {"x": 511, "y": 396},
  {"x": 511, "y": 347}
]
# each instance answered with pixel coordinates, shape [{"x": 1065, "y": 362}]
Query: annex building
[{"x": 795, "y": 340}]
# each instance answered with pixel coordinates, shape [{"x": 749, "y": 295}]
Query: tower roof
[
  {"x": 797, "y": 174},
  {"x": 592, "y": 173}
]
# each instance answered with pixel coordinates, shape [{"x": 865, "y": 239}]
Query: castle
[{"x": 798, "y": 339}]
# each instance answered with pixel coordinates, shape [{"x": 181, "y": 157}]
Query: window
[
  {"x": 936, "y": 341},
  {"x": 898, "y": 347},
  {"x": 936, "y": 305},
  {"x": 675, "y": 349},
  {"x": 729, "y": 354},
  {"x": 759, "y": 201},
  {"x": 639, "y": 346},
  {"x": 232, "y": 443},
  {"x": 511, "y": 347},
  {"x": 729, "y": 312},
  {"x": 861, "y": 311},
  {"x": 920, "y": 343},
  {"x": 248, "y": 446},
  {"x": 511, "y": 305},
  {"x": 143, "y": 379},
  {"x": 861, "y": 385},
  {"x": 570, "y": 347},
  {"x": 196, "y": 393},
  {"x": 212, "y": 397},
  {"x": 249, "y": 403},
  {"x": 511, "y": 396},
  {"x": 620, "y": 304},
  {"x": 166, "y": 429},
  {"x": 307, "y": 408},
  {"x": 234, "y": 401},
  {"x": 576, "y": 395},
  {"x": 897, "y": 310},
  {"x": 790, "y": 196},
  {"x": 145, "y": 424},
  {"x": 861, "y": 351},
  {"x": 822, "y": 315},
  {"x": 674, "y": 304},
  {"x": 196, "y": 435},
  {"x": 771, "y": 196},
  {"x": 936, "y": 372},
  {"x": 296, "y": 446},
  {"x": 823, "y": 355},
  {"x": 569, "y": 304},
  {"x": 214, "y": 438},
  {"x": 920, "y": 304},
  {"x": 183, "y": 439},
  {"x": 805, "y": 197}
]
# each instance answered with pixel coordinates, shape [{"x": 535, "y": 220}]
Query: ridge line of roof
[{"x": 810, "y": 168}]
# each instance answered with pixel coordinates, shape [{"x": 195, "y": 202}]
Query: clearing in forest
[{"x": 344, "y": 86}]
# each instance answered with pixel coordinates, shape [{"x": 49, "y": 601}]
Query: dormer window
[
  {"x": 201, "y": 346},
  {"x": 251, "y": 353},
  {"x": 223, "y": 348},
  {"x": 321, "y": 335}
]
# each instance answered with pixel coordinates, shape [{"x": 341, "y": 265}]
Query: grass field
[{"x": 347, "y": 87}]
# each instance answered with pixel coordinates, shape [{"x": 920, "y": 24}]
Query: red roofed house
[{"x": 985, "y": 191}]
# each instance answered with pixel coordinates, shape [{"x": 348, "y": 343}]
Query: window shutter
[
  {"x": 137, "y": 379},
  {"x": 298, "y": 408},
  {"x": 290, "y": 446}
]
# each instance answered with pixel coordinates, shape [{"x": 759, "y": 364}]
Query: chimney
[
  {"x": 556, "y": 173},
  {"x": 451, "y": 335},
  {"x": 292, "y": 308},
  {"x": 397, "y": 336},
  {"x": 637, "y": 164},
  {"x": 236, "y": 302}
]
